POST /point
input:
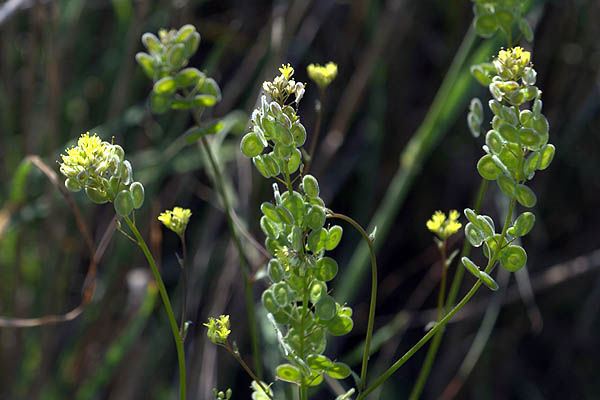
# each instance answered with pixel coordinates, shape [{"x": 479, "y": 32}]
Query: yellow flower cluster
[
  {"x": 444, "y": 227},
  {"x": 218, "y": 329},
  {"x": 511, "y": 63},
  {"x": 283, "y": 86},
  {"x": 176, "y": 219},
  {"x": 322, "y": 75}
]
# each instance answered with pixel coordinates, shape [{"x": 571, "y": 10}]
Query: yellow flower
[
  {"x": 322, "y": 75},
  {"x": 511, "y": 63},
  {"x": 444, "y": 227},
  {"x": 287, "y": 71},
  {"x": 218, "y": 329},
  {"x": 176, "y": 219}
]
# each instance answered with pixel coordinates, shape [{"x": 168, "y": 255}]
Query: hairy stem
[
  {"x": 166, "y": 302},
  {"x": 365, "y": 235},
  {"x": 238, "y": 245}
]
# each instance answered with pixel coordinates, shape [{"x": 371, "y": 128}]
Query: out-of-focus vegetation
[{"x": 68, "y": 67}]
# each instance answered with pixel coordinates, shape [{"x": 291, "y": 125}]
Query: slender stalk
[
  {"x": 247, "y": 369},
  {"x": 303, "y": 388},
  {"x": 165, "y": 298},
  {"x": 238, "y": 245},
  {"x": 440, "y": 325},
  {"x": 185, "y": 288},
  {"x": 452, "y": 293},
  {"x": 315, "y": 139},
  {"x": 365, "y": 360},
  {"x": 442, "y": 293}
]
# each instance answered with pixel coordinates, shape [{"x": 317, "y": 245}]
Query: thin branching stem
[
  {"x": 241, "y": 361},
  {"x": 373, "y": 302},
  {"x": 166, "y": 302}
]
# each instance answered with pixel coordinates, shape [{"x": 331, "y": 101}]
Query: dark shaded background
[{"x": 68, "y": 67}]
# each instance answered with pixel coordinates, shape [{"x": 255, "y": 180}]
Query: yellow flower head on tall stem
[
  {"x": 443, "y": 226},
  {"x": 176, "y": 219}
]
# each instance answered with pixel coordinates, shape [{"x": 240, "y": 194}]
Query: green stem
[
  {"x": 303, "y": 388},
  {"x": 452, "y": 293},
  {"x": 365, "y": 235},
  {"x": 185, "y": 288},
  {"x": 247, "y": 369},
  {"x": 165, "y": 298},
  {"x": 442, "y": 293},
  {"x": 238, "y": 245},
  {"x": 315, "y": 139}
]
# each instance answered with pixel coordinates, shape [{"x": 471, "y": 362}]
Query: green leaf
[
  {"x": 471, "y": 267},
  {"x": 525, "y": 196},
  {"x": 289, "y": 373},
  {"x": 488, "y": 281},
  {"x": 165, "y": 86},
  {"x": 317, "y": 239},
  {"x": 513, "y": 258},
  {"x": 195, "y": 132},
  {"x": 487, "y": 168},
  {"x": 123, "y": 203},
  {"x": 327, "y": 269},
  {"x": 334, "y": 235},
  {"x": 251, "y": 145},
  {"x": 339, "y": 371},
  {"x": 524, "y": 223}
]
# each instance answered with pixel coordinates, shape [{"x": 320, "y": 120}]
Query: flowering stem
[
  {"x": 452, "y": 293},
  {"x": 165, "y": 298},
  {"x": 247, "y": 369},
  {"x": 313, "y": 143},
  {"x": 365, "y": 235},
  {"x": 440, "y": 306},
  {"x": 185, "y": 288},
  {"x": 238, "y": 245}
]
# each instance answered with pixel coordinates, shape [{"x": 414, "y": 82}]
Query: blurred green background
[{"x": 67, "y": 67}]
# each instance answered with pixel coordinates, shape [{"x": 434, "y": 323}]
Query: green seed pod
[
  {"x": 526, "y": 117},
  {"x": 326, "y": 269},
  {"x": 531, "y": 164},
  {"x": 525, "y": 196},
  {"x": 315, "y": 218},
  {"x": 471, "y": 267},
  {"x": 95, "y": 195},
  {"x": 508, "y": 132},
  {"x": 147, "y": 63},
  {"x": 479, "y": 74},
  {"x": 504, "y": 18},
  {"x": 485, "y": 25},
  {"x": 317, "y": 240},
  {"x": 288, "y": 373},
  {"x": 325, "y": 308},
  {"x": 299, "y": 133},
  {"x": 126, "y": 172},
  {"x": 268, "y": 125},
  {"x": 513, "y": 258},
  {"x": 334, "y": 235},
  {"x": 296, "y": 239},
  {"x": 283, "y": 152},
  {"x": 486, "y": 227},
  {"x": 488, "y": 281},
  {"x": 340, "y": 325},
  {"x": 476, "y": 108},
  {"x": 310, "y": 186},
  {"x": 547, "y": 155},
  {"x": 339, "y": 370},
  {"x": 281, "y": 294},
  {"x": 191, "y": 44},
  {"x": 474, "y": 124},
  {"x": 251, "y": 145},
  {"x": 176, "y": 56},
  {"x": 294, "y": 161},
  {"x": 159, "y": 104},
  {"x": 188, "y": 77},
  {"x": 152, "y": 43},
  {"x": 507, "y": 185},
  {"x": 524, "y": 223},
  {"x": 268, "y": 301},
  {"x": 541, "y": 125},
  {"x": 72, "y": 185},
  {"x": 517, "y": 98},
  {"x": 509, "y": 115},
  {"x": 137, "y": 194},
  {"x": 165, "y": 86},
  {"x": 123, "y": 203},
  {"x": 494, "y": 141},
  {"x": 530, "y": 92},
  {"x": 496, "y": 107},
  {"x": 529, "y": 76},
  {"x": 269, "y": 228},
  {"x": 537, "y": 107},
  {"x": 271, "y": 164},
  {"x": 204, "y": 100},
  {"x": 275, "y": 270},
  {"x": 319, "y": 362},
  {"x": 285, "y": 215},
  {"x": 184, "y": 33},
  {"x": 260, "y": 166},
  {"x": 316, "y": 290},
  {"x": 114, "y": 185},
  {"x": 268, "y": 209},
  {"x": 495, "y": 91},
  {"x": 282, "y": 134},
  {"x": 471, "y": 216},
  {"x": 529, "y": 138},
  {"x": 473, "y": 235},
  {"x": 488, "y": 169},
  {"x": 508, "y": 157},
  {"x": 295, "y": 205}
]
